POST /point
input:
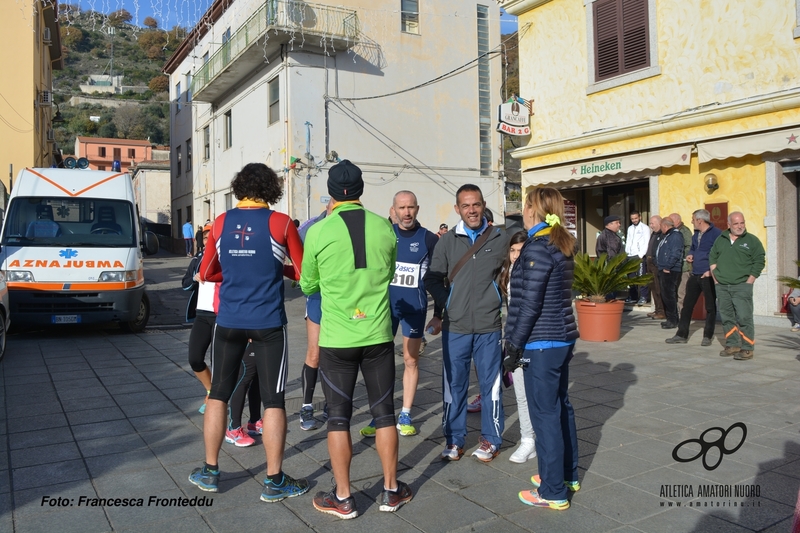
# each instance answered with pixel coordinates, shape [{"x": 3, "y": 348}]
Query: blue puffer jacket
[{"x": 540, "y": 302}]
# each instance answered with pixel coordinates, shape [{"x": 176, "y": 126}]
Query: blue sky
[{"x": 187, "y": 12}]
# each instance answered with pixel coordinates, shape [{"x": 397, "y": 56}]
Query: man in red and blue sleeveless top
[{"x": 245, "y": 253}]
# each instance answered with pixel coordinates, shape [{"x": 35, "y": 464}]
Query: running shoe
[
  {"x": 572, "y": 486},
  {"x": 368, "y": 431},
  {"x": 288, "y": 488},
  {"x": 525, "y": 451},
  {"x": 475, "y": 405},
  {"x": 238, "y": 437},
  {"x": 307, "y": 420},
  {"x": 255, "y": 429},
  {"x": 486, "y": 451},
  {"x": 404, "y": 425},
  {"x": 796, "y": 328},
  {"x": 452, "y": 453},
  {"x": 329, "y": 503},
  {"x": 392, "y": 500},
  {"x": 205, "y": 479},
  {"x": 532, "y": 498}
]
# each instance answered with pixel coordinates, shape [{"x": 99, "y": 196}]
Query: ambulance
[{"x": 71, "y": 249}]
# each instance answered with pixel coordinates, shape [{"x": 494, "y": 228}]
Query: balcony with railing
[{"x": 300, "y": 24}]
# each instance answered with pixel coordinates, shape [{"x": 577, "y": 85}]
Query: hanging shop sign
[{"x": 514, "y": 118}]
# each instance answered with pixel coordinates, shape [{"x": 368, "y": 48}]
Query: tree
[
  {"x": 151, "y": 23},
  {"x": 159, "y": 84},
  {"x": 119, "y": 17},
  {"x": 126, "y": 118},
  {"x": 71, "y": 37},
  {"x": 149, "y": 39},
  {"x": 155, "y": 52}
]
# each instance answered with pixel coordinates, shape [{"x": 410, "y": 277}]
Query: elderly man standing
[
  {"x": 655, "y": 286},
  {"x": 700, "y": 280},
  {"x": 685, "y": 266},
  {"x": 636, "y": 242},
  {"x": 461, "y": 279},
  {"x": 737, "y": 259},
  {"x": 669, "y": 256},
  {"x": 609, "y": 242}
]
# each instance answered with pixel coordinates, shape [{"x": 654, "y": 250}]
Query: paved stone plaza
[{"x": 102, "y": 414}]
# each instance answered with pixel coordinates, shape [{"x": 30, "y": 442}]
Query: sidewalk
[{"x": 109, "y": 415}]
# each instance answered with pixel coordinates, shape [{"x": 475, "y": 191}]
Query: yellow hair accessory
[{"x": 552, "y": 220}]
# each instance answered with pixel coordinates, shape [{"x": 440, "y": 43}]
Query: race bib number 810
[{"x": 406, "y": 275}]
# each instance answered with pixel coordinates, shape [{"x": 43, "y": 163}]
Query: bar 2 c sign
[{"x": 514, "y": 118}]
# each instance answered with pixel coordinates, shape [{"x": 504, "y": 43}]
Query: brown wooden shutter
[
  {"x": 621, "y": 37},
  {"x": 635, "y": 49},
  {"x": 606, "y": 30}
]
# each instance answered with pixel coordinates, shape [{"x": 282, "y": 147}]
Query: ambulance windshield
[{"x": 92, "y": 222}]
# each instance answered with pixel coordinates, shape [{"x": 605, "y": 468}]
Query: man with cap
[
  {"x": 350, "y": 259},
  {"x": 442, "y": 229},
  {"x": 609, "y": 242}
]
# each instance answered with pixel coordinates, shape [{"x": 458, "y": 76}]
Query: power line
[
  {"x": 15, "y": 111},
  {"x": 496, "y": 50}
]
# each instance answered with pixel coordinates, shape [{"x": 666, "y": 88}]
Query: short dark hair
[
  {"x": 257, "y": 181},
  {"x": 635, "y": 212},
  {"x": 468, "y": 187}
]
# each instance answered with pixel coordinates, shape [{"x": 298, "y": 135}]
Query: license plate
[{"x": 66, "y": 319}]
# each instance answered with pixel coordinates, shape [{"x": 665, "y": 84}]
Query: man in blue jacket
[
  {"x": 669, "y": 260},
  {"x": 700, "y": 280}
]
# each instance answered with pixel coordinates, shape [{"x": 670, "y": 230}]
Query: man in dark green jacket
[{"x": 737, "y": 259}]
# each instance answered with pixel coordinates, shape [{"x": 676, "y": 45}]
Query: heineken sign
[
  {"x": 513, "y": 119},
  {"x": 592, "y": 169}
]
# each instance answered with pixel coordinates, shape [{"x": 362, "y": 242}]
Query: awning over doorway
[
  {"x": 614, "y": 164},
  {"x": 760, "y": 143}
]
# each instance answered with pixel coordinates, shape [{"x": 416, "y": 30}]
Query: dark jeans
[
  {"x": 794, "y": 313},
  {"x": 669, "y": 293},
  {"x": 655, "y": 287},
  {"x": 639, "y": 292},
  {"x": 694, "y": 287},
  {"x": 553, "y": 418}
]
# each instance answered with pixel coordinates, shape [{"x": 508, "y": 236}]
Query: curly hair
[{"x": 257, "y": 181}]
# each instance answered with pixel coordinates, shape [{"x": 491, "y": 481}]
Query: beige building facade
[
  {"x": 31, "y": 45},
  {"x": 666, "y": 107}
]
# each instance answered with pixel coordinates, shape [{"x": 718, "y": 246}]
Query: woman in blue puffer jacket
[{"x": 540, "y": 336}]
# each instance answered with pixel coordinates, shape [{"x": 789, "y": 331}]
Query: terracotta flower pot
[{"x": 599, "y": 322}]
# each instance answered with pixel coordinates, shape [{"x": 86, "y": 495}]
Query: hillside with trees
[{"x": 104, "y": 44}]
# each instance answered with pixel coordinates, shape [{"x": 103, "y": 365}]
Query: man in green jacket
[
  {"x": 350, "y": 258},
  {"x": 737, "y": 259}
]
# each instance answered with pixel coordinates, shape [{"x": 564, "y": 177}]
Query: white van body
[{"x": 71, "y": 251}]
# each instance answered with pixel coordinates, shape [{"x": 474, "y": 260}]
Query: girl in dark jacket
[{"x": 540, "y": 336}]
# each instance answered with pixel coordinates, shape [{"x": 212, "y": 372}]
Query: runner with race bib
[{"x": 408, "y": 301}]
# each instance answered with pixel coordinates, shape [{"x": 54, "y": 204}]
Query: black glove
[{"x": 512, "y": 357}]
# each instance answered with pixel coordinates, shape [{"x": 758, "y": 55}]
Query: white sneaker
[{"x": 525, "y": 452}]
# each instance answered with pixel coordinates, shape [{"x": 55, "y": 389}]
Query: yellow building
[
  {"x": 642, "y": 104},
  {"x": 31, "y": 45}
]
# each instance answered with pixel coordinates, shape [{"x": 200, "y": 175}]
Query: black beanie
[{"x": 344, "y": 181}]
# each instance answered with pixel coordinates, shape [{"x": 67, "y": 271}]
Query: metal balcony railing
[{"x": 301, "y": 19}]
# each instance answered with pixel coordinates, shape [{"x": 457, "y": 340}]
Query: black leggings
[
  {"x": 200, "y": 339},
  {"x": 247, "y": 386},
  {"x": 269, "y": 346},
  {"x": 338, "y": 370}
]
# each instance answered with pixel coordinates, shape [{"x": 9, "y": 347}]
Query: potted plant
[{"x": 599, "y": 313}]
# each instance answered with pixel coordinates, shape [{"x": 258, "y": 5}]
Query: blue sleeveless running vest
[
  {"x": 251, "y": 292},
  {"x": 407, "y": 291}
]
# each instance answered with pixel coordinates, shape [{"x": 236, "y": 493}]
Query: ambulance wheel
[{"x": 138, "y": 324}]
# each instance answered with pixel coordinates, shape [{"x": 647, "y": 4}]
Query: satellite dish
[
  {"x": 70, "y": 162},
  {"x": 82, "y": 163}
]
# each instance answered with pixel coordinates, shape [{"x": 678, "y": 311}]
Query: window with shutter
[{"x": 622, "y": 42}]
